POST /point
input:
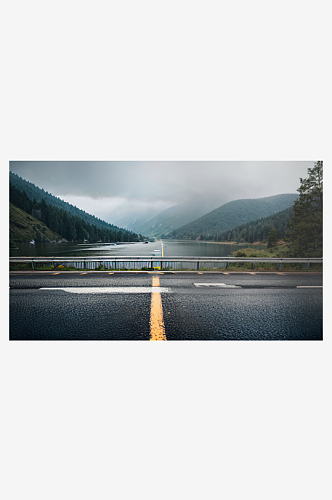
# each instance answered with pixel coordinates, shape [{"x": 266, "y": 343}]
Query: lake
[{"x": 172, "y": 248}]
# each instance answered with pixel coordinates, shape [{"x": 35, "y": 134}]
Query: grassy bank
[{"x": 281, "y": 250}]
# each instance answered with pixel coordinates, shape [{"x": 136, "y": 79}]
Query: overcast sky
[{"x": 113, "y": 189}]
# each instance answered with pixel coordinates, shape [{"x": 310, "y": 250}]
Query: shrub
[{"x": 240, "y": 253}]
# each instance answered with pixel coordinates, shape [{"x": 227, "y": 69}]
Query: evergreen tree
[
  {"x": 272, "y": 238},
  {"x": 305, "y": 235}
]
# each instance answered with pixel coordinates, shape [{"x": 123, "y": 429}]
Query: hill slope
[
  {"x": 34, "y": 192},
  {"x": 234, "y": 214},
  {"x": 24, "y": 227},
  {"x": 258, "y": 230}
]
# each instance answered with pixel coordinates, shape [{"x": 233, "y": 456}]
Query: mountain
[
  {"x": 175, "y": 216},
  {"x": 35, "y": 193},
  {"x": 70, "y": 227},
  {"x": 233, "y": 214},
  {"x": 137, "y": 220},
  {"x": 258, "y": 230}
]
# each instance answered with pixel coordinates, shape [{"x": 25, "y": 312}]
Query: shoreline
[{"x": 256, "y": 243}]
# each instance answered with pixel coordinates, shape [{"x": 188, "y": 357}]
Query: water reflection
[{"x": 172, "y": 248}]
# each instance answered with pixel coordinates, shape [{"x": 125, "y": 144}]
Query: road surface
[{"x": 156, "y": 306}]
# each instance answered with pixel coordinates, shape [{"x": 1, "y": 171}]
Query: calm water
[{"x": 172, "y": 248}]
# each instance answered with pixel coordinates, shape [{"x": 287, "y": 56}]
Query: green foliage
[
  {"x": 280, "y": 250},
  {"x": 20, "y": 267},
  {"x": 305, "y": 235},
  {"x": 240, "y": 253},
  {"x": 272, "y": 238}
]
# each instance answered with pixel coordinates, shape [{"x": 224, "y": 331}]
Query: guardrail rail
[{"x": 157, "y": 262}]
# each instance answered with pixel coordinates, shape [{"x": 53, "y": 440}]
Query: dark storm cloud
[{"x": 170, "y": 182}]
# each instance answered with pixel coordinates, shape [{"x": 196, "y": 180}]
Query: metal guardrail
[{"x": 153, "y": 262}]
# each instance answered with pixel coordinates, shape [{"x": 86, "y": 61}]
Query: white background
[{"x": 172, "y": 80}]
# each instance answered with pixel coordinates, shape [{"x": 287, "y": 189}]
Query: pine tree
[
  {"x": 272, "y": 238},
  {"x": 305, "y": 235}
]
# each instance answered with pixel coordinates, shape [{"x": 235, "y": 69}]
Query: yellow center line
[
  {"x": 252, "y": 273},
  {"x": 157, "y": 327},
  {"x": 113, "y": 273},
  {"x": 55, "y": 274},
  {"x": 226, "y": 273},
  {"x": 83, "y": 273}
]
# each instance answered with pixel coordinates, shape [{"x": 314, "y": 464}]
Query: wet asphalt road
[{"x": 266, "y": 307}]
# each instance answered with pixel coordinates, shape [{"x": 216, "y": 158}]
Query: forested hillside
[
  {"x": 232, "y": 215},
  {"x": 34, "y": 192},
  {"x": 69, "y": 226},
  {"x": 258, "y": 230}
]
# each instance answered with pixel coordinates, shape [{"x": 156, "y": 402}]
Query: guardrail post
[
  {"x": 161, "y": 265},
  {"x": 32, "y": 265},
  {"x": 252, "y": 265},
  {"x": 226, "y": 265},
  {"x": 279, "y": 266},
  {"x": 307, "y": 265},
  {"x": 197, "y": 266}
]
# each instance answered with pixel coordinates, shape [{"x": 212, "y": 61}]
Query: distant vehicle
[
  {"x": 146, "y": 242},
  {"x": 32, "y": 242}
]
